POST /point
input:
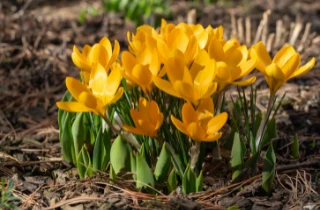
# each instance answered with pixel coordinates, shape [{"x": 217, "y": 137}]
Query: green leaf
[
  {"x": 133, "y": 165},
  {"x": 79, "y": 132},
  {"x": 237, "y": 154},
  {"x": 66, "y": 139},
  {"x": 199, "y": 182},
  {"x": 295, "y": 147},
  {"x": 112, "y": 173},
  {"x": 84, "y": 163},
  {"x": 163, "y": 164},
  {"x": 172, "y": 181},
  {"x": 99, "y": 153},
  {"x": 269, "y": 168},
  {"x": 188, "y": 181},
  {"x": 144, "y": 174},
  {"x": 120, "y": 155},
  {"x": 252, "y": 162}
]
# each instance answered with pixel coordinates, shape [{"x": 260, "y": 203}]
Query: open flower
[
  {"x": 103, "y": 90},
  {"x": 176, "y": 39},
  {"x": 148, "y": 119},
  {"x": 191, "y": 85},
  {"x": 200, "y": 124},
  {"x": 232, "y": 62},
  {"x": 141, "y": 69},
  {"x": 284, "y": 66},
  {"x": 99, "y": 53}
]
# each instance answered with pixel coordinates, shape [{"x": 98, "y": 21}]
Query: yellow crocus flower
[
  {"x": 179, "y": 41},
  {"x": 284, "y": 66},
  {"x": 200, "y": 124},
  {"x": 141, "y": 69},
  {"x": 145, "y": 35},
  {"x": 233, "y": 63},
  {"x": 103, "y": 90},
  {"x": 191, "y": 85},
  {"x": 148, "y": 119},
  {"x": 99, "y": 53}
]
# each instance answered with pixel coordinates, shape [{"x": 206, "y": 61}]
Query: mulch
[{"x": 36, "y": 40}]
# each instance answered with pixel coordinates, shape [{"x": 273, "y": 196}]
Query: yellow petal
[
  {"x": 113, "y": 81},
  {"x": 206, "y": 104},
  {"x": 215, "y": 50},
  {"x": 196, "y": 132},
  {"x": 207, "y": 75},
  {"x": 291, "y": 65},
  {"x": 284, "y": 54},
  {"x": 165, "y": 86},
  {"x": 85, "y": 51},
  {"x": 98, "y": 54},
  {"x": 79, "y": 60},
  {"x": 74, "y": 107},
  {"x": 213, "y": 137},
  {"x": 189, "y": 115},
  {"x": 260, "y": 53},
  {"x": 175, "y": 69},
  {"x": 246, "y": 67},
  {"x": 223, "y": 72},
  {"x": 217, "y": 122},
  {"x": 116, "y": 50},
  {"x": 179, "y": 125},
  {"x": 133, "y": 130},
  {"x": 185, "y": 91},
  {"x": 231, "y": 44},
  {"x": 128, "y": 61},
  {"x": 88, "y": 100},
  {"x": 275, "y": 72},
  {"x": 233, "y": 57},
  {"x": 245, "y": 82},
  {"x": 116, "y": 97},
  {"x": 75, "y": 87},
  {"x": 98, "y": 79},
  {"x": 142, "y": 75},
  {"x": 105, "y": 42},
  {"x": 304, "y": 69}
]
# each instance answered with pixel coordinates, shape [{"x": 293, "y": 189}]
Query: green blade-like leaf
[
  {"x": 172, "y": 181},
  {"x": 133, "y": 165},
  {"x": 120, "y": 155},
  {"x": 199, "y": 182},
  {"x": 188, "y": 181},
  {"x": 144, "y": 174},
  {"x": 83, "y": 161},
  {"x": 295, "y": 147},
  {"x": 237, "y": 154},
  {"x": 79, "y": 132},
  {"x": 163, "y": 164},
  {"x": 66, "y": 139},
  {"x": 269, "y": 168},
  {"x": 99, "y": 153}
]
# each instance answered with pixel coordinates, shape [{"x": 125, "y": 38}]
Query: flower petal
[
  {"x": 179, "y": 125},
  {"x": 284, "y": 54},
  {"x": 216, "y": 123},
  {"x": 165, "y": 86},
  {"x": 74, "y": 107},
  {"x": 260, "y": 53},
  {"x": 189, "y": 114},
  {"x": 304, "y": 69},
  {"x": 75, "y": 87}
]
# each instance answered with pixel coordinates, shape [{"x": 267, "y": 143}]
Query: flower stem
[
  {"x": 260, "y": 132},
  {"x": 194, "y": 154}
]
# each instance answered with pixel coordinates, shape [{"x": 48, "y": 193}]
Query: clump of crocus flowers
[{"x": 190, "y": 65}]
